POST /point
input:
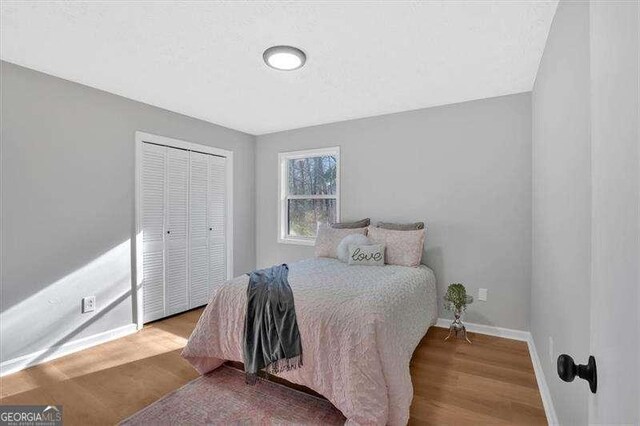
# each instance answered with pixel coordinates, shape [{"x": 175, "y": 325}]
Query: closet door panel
[
  {"x": 198, "y": 230},
  {"x": 176, "y": 238},
  {"x": 217, "y": 265},
  {"x": 152, "y": 218},
  {"x": 183, "y": 220},
  {"x": 217, "y": 220}
]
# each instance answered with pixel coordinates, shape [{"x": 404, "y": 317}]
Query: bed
[{"x": 359, "y": 326}]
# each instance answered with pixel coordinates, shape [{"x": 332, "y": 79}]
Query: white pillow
[{"x": 353, "y": 239}]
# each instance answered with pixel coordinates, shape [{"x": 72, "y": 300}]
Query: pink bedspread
[{"x": 359, "y": 326}]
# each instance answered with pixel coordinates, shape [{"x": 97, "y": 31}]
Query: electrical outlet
[
  {"x": 551, "y": 348},
  {"x": 88, "y": 304},
  {"x": 482, "y": 294}
]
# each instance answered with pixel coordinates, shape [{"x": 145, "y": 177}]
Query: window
[{"x": 309, "y": 193}]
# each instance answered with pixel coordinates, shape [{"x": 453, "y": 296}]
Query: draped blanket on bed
[{"x": 271, "y": 336}]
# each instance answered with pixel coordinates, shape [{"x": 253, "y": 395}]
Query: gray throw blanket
[{"x": 271, "y": 335}]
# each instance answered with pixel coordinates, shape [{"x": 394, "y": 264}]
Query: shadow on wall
[
  {"x": 53, "y": 316},
  {"x": 433, "y": 258}
]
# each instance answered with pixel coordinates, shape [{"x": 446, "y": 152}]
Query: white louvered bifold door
[
  {"x": 198, "y": 230},
  {"x": 153, "y": 183},
  {"x": 183, "y": 214},
  {"x": 176, "y": 237},
  {"x": 217, "y": 211}
]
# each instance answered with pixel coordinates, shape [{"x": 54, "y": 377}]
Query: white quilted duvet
[{"x": 359, "y": 326}]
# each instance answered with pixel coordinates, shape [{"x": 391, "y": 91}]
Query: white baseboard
[
  {"x": 524, "y": 336},
  {"x": 490, "y": 330},
  {"x": 20, "y": 363},
  {"x": 545, "y": 393}
]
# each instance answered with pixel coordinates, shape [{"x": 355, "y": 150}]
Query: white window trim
[{"x": 283, "y": 212}]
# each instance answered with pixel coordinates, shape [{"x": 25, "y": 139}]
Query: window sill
[{"x": 297, "y": 241}]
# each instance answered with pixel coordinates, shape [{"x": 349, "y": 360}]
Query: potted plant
[{"x": 456, "y": 300}]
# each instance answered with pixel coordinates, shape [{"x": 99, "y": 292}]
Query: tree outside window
[{"x": 309, "y": 193}]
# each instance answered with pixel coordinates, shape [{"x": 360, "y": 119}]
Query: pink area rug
[{"x": 222, "y": 397}]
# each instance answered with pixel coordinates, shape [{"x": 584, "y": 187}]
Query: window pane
[
  {"x": 312, "y": 176},
  {"x": 305, "y": 214}
]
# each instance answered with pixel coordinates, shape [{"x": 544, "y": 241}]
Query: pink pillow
[
  {"x": 328, "y": 239},
  {"x": 404, "y": 248}
]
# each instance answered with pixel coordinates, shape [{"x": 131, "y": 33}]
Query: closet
[{"x": 182, "y": 218}]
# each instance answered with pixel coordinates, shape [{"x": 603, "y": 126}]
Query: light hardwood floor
[{"x": 488, "y": 382}]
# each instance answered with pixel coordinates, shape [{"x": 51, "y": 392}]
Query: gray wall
[
  {"x": 561, "y": 274},
  {"x": 464, "y": 169},
  {"x": 68, "y": 204}
]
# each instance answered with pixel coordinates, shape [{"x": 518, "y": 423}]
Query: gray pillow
[
  {"x": 351, "y": 225},
  {"x": 401, "y": 226}
]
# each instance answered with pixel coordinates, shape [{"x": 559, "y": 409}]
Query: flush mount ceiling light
[{"x": 284, "y": 58}]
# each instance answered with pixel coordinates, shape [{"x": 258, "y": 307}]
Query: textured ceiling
[{"x": 204, "y": 59}]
